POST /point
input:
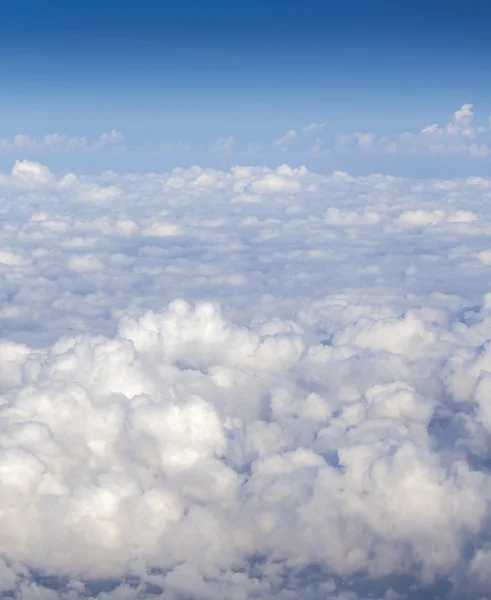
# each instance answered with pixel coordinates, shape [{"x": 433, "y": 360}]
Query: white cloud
[
  {"x": 84, "y": 263},
  {"x": 284, "y": 141},
  {"x": 314, "y": 127},
  {"x": 107, "y": 139},
  {"x": 31, "y": 174},
  {"x": 273, "y": 183},
  {"x": 162, "y": 229},
  {"x": 416, "y": 218},
  {"x": 363, "y": 141},
  {"x": 309, "y": 419},
  {"x": 460, "y": 124},
  {"x": 464, "y": 116},
  {"x": 12, "y": 259},
  {"x": 456, "y": 138},
  {"x": 224, "y": 145},
  {"x": 459, "y": 138}
]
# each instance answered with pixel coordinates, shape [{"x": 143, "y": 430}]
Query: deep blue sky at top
[{"x": 204, "y": 69}]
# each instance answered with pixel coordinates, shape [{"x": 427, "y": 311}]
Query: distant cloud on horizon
[{"x": 459, "y": 138}]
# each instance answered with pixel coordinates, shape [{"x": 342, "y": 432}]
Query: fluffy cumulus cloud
[
  {"x": 459, "y": 124},
  {"x": 253, "y": 384},
  {"x": 458, "y": 138},
  {"x": 462, "y": 137}
]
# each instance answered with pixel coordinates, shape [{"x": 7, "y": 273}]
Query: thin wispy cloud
[
  {"x": 55, "y": 142},
  {"x": 284, "y": 141},
  {"x": 458, "y": 138},
  {"x": 224, "y": 145},
  {"x": 314, "y": 128}
]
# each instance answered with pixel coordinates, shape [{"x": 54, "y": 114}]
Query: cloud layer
[
  {"x": 246, "y": 384},
  {"x": 464, "y": 139}
]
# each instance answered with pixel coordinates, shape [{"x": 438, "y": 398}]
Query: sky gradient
[{"x": 196, "y": 72}]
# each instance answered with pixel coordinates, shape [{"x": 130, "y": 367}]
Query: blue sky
[{"x": 196, "y": 72}]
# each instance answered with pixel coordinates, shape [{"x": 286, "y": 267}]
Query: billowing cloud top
[{"x": 260, "y": 383}]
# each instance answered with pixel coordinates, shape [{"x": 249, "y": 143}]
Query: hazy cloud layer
[
  {"x": 465, "y": 139},
  {"x": 459, "y": 138},
  {"x": 247, "y": 384},
  {"x": 55, "y": 142}
]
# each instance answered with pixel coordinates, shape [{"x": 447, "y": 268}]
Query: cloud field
[
  {"x": 253, "y": 384},
  {"x": 465, "y": 138}
]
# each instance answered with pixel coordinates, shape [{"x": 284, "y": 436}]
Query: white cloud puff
[
  {"x": 30, "y": 174},
  {"x": 284, "y": 141},
  {"x": 458, "y": 138}
]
